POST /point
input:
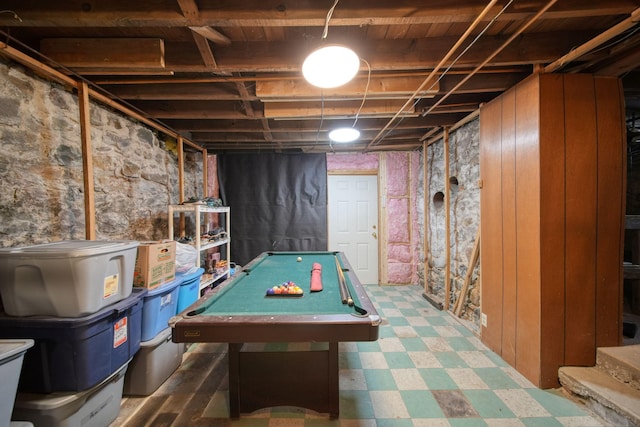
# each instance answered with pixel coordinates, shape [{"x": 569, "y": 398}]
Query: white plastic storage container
[
  {"x": 11, "y": 356},
  {"x": 156, "y": 360},
  {"x": 95, "y": 407},
  {"x": 67, "y": 279}
]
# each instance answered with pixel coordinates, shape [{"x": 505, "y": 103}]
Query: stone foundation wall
[
  {"x": 42, "y": 197},
  {"x": 464, "y": 166},
  {"x": 435, "y": 236},
  {"x": 464, "y": 214}
]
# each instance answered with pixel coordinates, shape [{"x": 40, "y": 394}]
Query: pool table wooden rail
[{"x": 191, "y": 326}]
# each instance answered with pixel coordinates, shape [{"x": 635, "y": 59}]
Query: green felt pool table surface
[{"x": 247, "y": 294}]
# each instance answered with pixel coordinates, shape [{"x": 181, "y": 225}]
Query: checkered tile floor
[{"x": 426, "y": 369}]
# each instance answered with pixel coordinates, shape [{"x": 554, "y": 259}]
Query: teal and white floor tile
[{"x": 426, "y": 369}]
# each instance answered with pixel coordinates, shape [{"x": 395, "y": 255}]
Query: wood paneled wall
[{"x": 553, "y": 173}]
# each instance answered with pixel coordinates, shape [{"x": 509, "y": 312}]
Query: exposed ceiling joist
[{"x": 227, "y": 75}]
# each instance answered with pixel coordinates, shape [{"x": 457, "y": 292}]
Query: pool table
[{"x": 282, "y": 372}]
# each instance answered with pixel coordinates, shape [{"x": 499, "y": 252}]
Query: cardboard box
[{"x": 155, "y": 264}]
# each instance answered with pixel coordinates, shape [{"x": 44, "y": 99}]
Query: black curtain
[{"x": 278, "y": 202}]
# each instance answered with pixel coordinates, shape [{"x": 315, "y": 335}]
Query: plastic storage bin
[
  {"x": 156, "y": 360},
  {"x": 68, "y": 279},
  {"x": 74, "y": 354},
  {"x": 95, "y": 407},
  {"x": 189, "y": 289},
  {"x": 11, "y": 356},
  {"x": 160, "y": 304}
]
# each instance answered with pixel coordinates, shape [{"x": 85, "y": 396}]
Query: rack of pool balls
[{"x": 285, "y": 289}]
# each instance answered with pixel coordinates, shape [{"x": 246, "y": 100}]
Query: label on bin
[
  {"x": 165, "y": 300},
  {"x": 120, "y": 332},
  {"x": 110, "y": 287}
]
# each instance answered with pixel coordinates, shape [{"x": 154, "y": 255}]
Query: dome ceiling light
[
  {"x": 344, "y": 135},
  {"x": 330, "y": 66}
]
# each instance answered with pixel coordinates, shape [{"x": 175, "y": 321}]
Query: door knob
[{"x": 375, "y": 236}]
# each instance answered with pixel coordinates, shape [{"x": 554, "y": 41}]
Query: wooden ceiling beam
[
  {"x": 244, "y": 95},
  {"x": 106, "y": 53},
  {"x": 252, "y": 77},
  {"x": 620, "y": 64},
  {"x": 287, "y": 110},
  {"x": 223, "y": 91},
  {"x": 189, "y": 9},
  {"x": 387, "y": 56},
  {"x": 205, "y": 51},
  {"x": 311, "y": 147},
  {"x": 273, "y": 13},
  {"x": 480, "y": 83},
  {"x": 295, "y": 136},
  {"x": 384, "y": 87},
  {"x": 194, "y": 110},
  {"x": 187, "y": 91},
  {"x": 227, "y": 126},
  {"x": 212, "y": 35}
]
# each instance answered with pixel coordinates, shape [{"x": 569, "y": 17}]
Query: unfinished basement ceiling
[{"x": 227, "y": 74}]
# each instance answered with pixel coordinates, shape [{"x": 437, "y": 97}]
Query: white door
[{"x": 353, "y": 222}]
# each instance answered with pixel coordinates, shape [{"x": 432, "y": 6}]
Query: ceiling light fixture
[
  {"x": 331, "y": 65},
  {"x": 350, "y": 134},
  {"x": 344, "y": 134}
]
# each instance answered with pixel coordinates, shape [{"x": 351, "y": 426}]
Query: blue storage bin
[
  {"x": 160, "y": 304},
  {"x": 189, "y": 289},
  {"x": 75, "y": 354}
]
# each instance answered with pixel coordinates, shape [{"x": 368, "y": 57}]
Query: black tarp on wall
[{"x": 278, "y": 202}]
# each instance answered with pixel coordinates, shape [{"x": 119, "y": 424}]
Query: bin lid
[
  {"x": 160, "y": 338},
  {"x": 116, "y": 309},
  {"x": 165, "y": 287},
  {"x": 59, "y": 403},
  {"x": 70, "y": 248},
  {"x": 189, "y": 276},
  {"x": 9, "y": 348}
]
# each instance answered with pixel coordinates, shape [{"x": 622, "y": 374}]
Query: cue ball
[{"x": 299, "y": 259}]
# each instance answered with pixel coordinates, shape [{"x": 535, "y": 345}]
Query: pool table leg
[
  {"x": 334, "y": 386},
  {"x": 234, "y": 375}
]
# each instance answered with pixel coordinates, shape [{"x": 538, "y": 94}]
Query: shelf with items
[
  {"x": 209, "y": 278},
  {"x": 205, "y": 237}
]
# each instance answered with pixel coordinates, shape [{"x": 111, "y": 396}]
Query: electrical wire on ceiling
[
  {"x": 366, "y": 90},
  {"x": 327, "y": 19},
  {"x": 511, "y": 38},
  {"x": 321, "y": 121},
  {"x": 325, "y": 32},
  {"x": 578, "y": 51},
  {"x": 414, "y": 97},
  {"x": 629, "y": 33},
  {"x": 364, "y": 98},
  {"x": 15, "y": 15}
]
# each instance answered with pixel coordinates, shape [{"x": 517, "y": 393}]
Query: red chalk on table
[{"x": 316, "y": 277}]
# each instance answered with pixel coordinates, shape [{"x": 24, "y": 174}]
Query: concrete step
[
  {"x": 622, "y": 363},
  {"x": 615, "y": 402}
]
